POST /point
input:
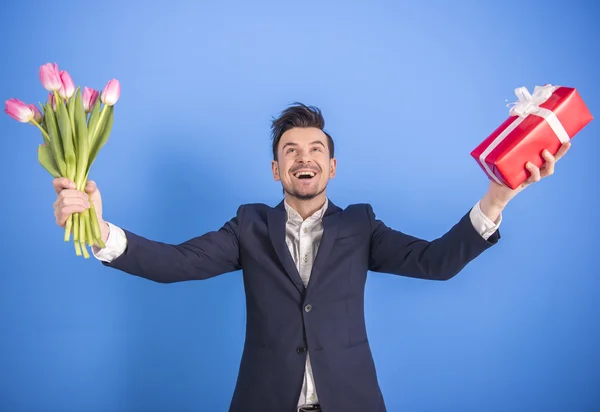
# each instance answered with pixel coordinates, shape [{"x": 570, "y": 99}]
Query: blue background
[{"x": 407, "y": 89}]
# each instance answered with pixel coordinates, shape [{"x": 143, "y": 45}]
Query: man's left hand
[{"x": 498, "y": 196}]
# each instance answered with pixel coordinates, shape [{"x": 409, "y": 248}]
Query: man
[{"x": 304, "y": 265}]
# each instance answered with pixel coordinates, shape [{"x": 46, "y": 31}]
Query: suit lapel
[
  {"x": 276, "y": 220},
  {"x": 331, "y": 220}
]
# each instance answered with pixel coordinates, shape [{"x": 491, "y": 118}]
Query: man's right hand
[{"x": 69, "y": 200}]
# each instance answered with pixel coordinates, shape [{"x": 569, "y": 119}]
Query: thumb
[{"x": 91, "y": 187}]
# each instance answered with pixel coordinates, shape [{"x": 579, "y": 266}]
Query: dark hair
[{"x": 298, "y": 115}]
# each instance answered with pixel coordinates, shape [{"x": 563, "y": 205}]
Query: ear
[
  {"x": 332, "y": 167},
  {"x": 275, "y": 170}
]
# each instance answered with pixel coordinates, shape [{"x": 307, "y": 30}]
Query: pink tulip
[
  {"x": 67, "y": 88},
  {"x": 52, "y": 100},
  {"x": 38, "y": 116},
  {"x": 19, "y": 110},
  {"x": 111, "y": 92},
  {"x": 89, "y": 98},
  {"x": 50, "y": 77}
]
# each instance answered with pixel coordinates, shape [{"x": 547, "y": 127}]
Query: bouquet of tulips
[{"x": 74, "y": 128}]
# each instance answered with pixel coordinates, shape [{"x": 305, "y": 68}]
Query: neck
[{"x": 306, "y": 207}]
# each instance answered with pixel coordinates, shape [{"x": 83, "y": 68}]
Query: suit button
[
  {"x": 301, "y": 350},
  {"x": 308, "y": 308}
]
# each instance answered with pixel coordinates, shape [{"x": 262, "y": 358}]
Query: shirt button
[
  {"x": 308, "y": 308},
  {"x": 305, "y": 230},
  {"x": 313, "y": 397},
  {"x": 305, "y": 258}
]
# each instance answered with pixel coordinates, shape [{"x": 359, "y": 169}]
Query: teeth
[{"x": 311, "y": 174}]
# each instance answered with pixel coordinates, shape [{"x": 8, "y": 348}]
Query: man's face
[{"x": 303, "y": 164}]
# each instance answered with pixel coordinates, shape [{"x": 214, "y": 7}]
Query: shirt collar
[{"x": 293, "y": 215}]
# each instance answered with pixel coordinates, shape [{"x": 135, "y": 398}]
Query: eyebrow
[{"x": 296, "y": 144}]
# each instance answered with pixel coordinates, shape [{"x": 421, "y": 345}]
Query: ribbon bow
[{"x": 528, "y": 103}]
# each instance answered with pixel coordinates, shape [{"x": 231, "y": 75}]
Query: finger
[
  {"x": 564, "y": 148},
  {"x": 74, "y": 200},
  {"x": 66, "y": 203},
  {"x": 64, "y": 213},
  {"x": 535, "y": 172},
  {"x": 548, "y": 168},
  {"x": 70, "y": 194},
  {"x": 61, "y": 183}
]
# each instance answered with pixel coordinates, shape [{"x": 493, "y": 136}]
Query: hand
[
  {"x": 498, "y": 196},
  {"x": 70, "y": 200}
]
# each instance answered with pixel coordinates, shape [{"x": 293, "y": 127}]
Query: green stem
[
  {"x": 81, "y": 138},
  {"x": 57, "y": 98},
  {"x": 67, "y": 133},
  {"x": 92, "y": 135},
  {"x": 68, "y": 228},
  {"x": 86, "y": 254},
  {"x": 41, "y": 128},
  {"x": 77, "y": 247},
  {"x": 75, "y": 226},
  {"x": 88, "y": 228},
  {"x": 96, "y": 232},
  {"x": 82, "y": 233}
]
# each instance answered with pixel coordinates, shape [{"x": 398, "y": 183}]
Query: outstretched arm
[
  {"x": 202, "y": 257},
  {"x": 395, "y": 252},
  {"x": 199, "y": 258},
  {"x": 443, "y": 258}
]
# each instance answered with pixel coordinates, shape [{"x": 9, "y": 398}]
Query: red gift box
[{"x": 545, "y": 120}]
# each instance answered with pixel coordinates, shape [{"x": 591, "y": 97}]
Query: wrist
[
  {"x": 104, "y": 231},
  {"x": 491, "y": 207}
]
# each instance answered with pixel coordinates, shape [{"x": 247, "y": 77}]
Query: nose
[{"x": 304, "y": 156}]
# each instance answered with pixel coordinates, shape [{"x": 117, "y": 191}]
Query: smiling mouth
[{"x": 305, "y": 174}]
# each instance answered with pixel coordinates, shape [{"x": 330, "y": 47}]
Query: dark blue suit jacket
[{"x": 285, "y": 319}]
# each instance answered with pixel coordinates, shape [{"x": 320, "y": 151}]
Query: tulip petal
[
  {"x": 111, "y": 92},
  {"x": 67, "y": 89},
  {"x": 50, "y": 77},
  {"x": 89, "y": 98},
  {"x": 19, "y": 110},
  {"x": 38, "y": 116}
]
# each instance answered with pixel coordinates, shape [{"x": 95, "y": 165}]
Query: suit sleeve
[
  {"x": 394, "y": 252},
  {"x": 202, "y": 257}
]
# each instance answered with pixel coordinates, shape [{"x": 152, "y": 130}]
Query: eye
[
  {"x": 317, "y": 148},
  {"x": 290, "y": 150}
]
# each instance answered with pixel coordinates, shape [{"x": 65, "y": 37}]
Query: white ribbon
[{"x": 527, "y": 104}]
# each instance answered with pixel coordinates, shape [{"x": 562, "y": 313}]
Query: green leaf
[
  {"x": 81, "y": 131},
  {"x": 103, "y": 135},
  {"x": 71, "y": 105},
  {"x": 93, "y": 120},
  {"x": 66, "y": 133},
  {"x": 46, "y": 141},
  {"x": 71, "y": 111},
  {"x": 55, "y": 139},
  {"x": 47, "y": 160}
]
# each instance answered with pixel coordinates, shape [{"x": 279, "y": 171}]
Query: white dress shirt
[{"x": 303, "y": 238}]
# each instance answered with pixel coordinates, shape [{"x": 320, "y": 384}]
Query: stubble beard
[{"x": 308, "y": 196}]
